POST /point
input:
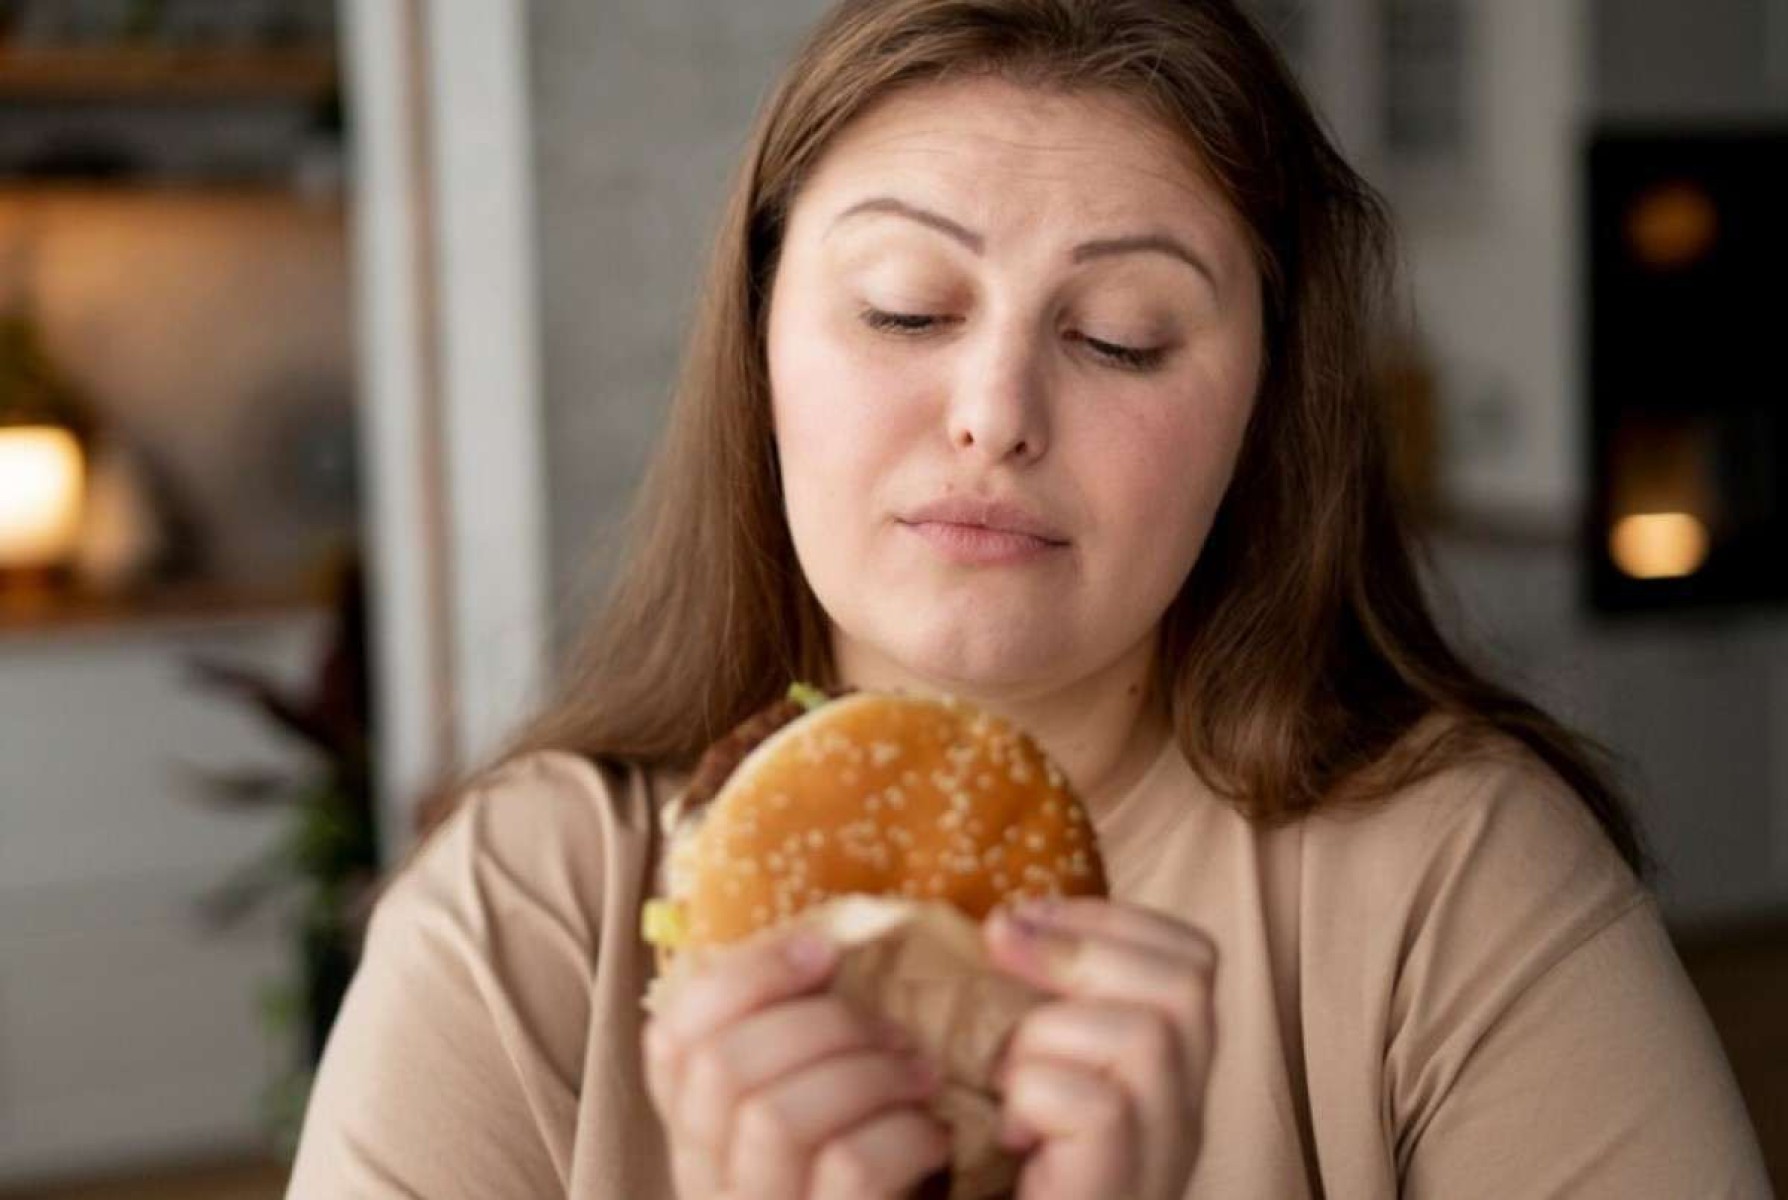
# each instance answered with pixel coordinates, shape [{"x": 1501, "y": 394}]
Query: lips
[{"x": 994, "y": 516}]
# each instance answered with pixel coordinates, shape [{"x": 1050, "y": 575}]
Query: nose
[{"x": 999, "y": 411}]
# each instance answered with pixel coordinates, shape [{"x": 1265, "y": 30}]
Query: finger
[
  {"x": 1123, "y": 922},
  {"x": 1094, "y": 967},
  {"x": 765, "y": 1046},
  {"x": 737, "y": 981},
  {"x": 887, "y": 1155},
  {"x": 1145, "y": 1054},
  {"x": 747, "y": 977},
  {"x": 694, "y": 1171},
  {"x": 1134, "y": 1045},
  {"x": 1085, "y": 1130},
  {"x": 777, "y": 1129}
]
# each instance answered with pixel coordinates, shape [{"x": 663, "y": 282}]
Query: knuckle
[
  {"x": 663, "y": 1061},
  {"x": 1150, "y": 1040},
  {"x": 1204, "y": 955},
  {"x": 711, "y": 1073},
  {"x": 843, "y": 1170},
  {"x": 763, "y": 1127},
  {"x": 1190, "y": 994},
  {"x": 1107, "y": 1111}
]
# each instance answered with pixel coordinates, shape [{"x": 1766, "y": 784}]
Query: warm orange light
[
  {"x": 1659, "y": 545},
  {"x": 1673, "y": 225},
  {"x": 41, "y": 478}
]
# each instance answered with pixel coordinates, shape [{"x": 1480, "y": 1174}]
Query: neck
[{"x": 1104, "y": 730}]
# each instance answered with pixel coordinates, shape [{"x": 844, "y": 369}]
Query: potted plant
[{"x": 327, "y": 862}]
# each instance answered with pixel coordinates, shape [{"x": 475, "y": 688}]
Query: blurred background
[{"x": 334, "y": 335}]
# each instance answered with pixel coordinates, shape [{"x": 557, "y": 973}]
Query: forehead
[{"x": 1001, "y": 153}]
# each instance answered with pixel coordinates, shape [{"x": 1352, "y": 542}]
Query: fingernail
[
  {"x": 808, "y": 952},
  {"x": 1018, "y": 923},
  {"x": 1051, "y": 950},
  {"x": 1038, "y": 910}
]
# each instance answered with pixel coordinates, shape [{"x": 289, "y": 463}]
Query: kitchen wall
[
  {"x": 209, "y": 328},
  {"x": 641, "y": 108}
]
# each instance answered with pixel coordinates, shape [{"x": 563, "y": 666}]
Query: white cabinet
[{"x": 129, "y": 1032}]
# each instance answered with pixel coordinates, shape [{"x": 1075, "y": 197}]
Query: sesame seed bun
[{"x": 886, "y": 795}]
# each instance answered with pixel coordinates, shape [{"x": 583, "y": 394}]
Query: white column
[
  {"x": 400, "y": 462},
  {"x": 489, "y": 337},
  {"x": 448, "y": 344}
]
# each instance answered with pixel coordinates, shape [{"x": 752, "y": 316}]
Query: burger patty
[{"x": 722, "y": 758}]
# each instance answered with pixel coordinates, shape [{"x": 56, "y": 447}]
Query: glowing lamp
[
  {"x": 42, "y": 478},
  {"x": 1665, "y": 545}
]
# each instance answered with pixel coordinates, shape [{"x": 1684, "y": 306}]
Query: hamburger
[
  {"x": 894, "y": 824},
  {"x": 823, "y": 795}
]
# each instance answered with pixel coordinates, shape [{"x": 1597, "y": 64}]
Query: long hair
[{"x": 1299, "y": 654}]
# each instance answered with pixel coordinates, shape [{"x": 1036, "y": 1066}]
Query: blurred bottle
[{"x": 1408, "y": 394}]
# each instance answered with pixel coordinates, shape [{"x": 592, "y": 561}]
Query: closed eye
[
  {"x": 907, "y": 323},
  {"x": 1130, "y": 358}
]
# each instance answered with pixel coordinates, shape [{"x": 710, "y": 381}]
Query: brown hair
[{"x": 1299, "y": 652}]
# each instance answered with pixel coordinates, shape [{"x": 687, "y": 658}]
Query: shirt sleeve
[
  {"x": 452, "y": 1069},
  {"x": 1550, "y": 1042}
]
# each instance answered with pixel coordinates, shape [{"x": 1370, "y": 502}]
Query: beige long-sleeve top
[{"x": 1462, "y": 992}]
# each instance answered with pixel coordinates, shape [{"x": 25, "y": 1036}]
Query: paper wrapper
[{"x": 921, "y": 963}]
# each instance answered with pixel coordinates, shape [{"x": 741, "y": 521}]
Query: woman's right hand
[{"x": 770, "y": 1086}]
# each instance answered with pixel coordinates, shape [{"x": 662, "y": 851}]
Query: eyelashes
[
  {"x": 893, "y": 322},
  {"x": 1129, "y": 358}
]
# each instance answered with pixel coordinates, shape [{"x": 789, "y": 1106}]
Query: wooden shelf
[
  {"x": 148, "y": 74},
  {"x": 24, "y": 618}
]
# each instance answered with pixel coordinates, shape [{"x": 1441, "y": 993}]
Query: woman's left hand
[{"x": 1104, "y": 1086}]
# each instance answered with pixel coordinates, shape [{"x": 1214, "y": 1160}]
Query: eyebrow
[{"x": 1142, "y": 243}]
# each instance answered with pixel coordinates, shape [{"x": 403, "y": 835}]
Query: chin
[{"x": 981, "y": 661}]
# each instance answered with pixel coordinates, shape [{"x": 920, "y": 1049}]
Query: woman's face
[{"x": 1014, "y": 342}]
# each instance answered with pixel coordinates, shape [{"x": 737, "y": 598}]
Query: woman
[{"x": 1032, "y": 368}]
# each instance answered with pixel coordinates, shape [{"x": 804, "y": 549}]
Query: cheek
[
  {"x": 839, "y": 415},
  {"x": 1160, "y": 480}
]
